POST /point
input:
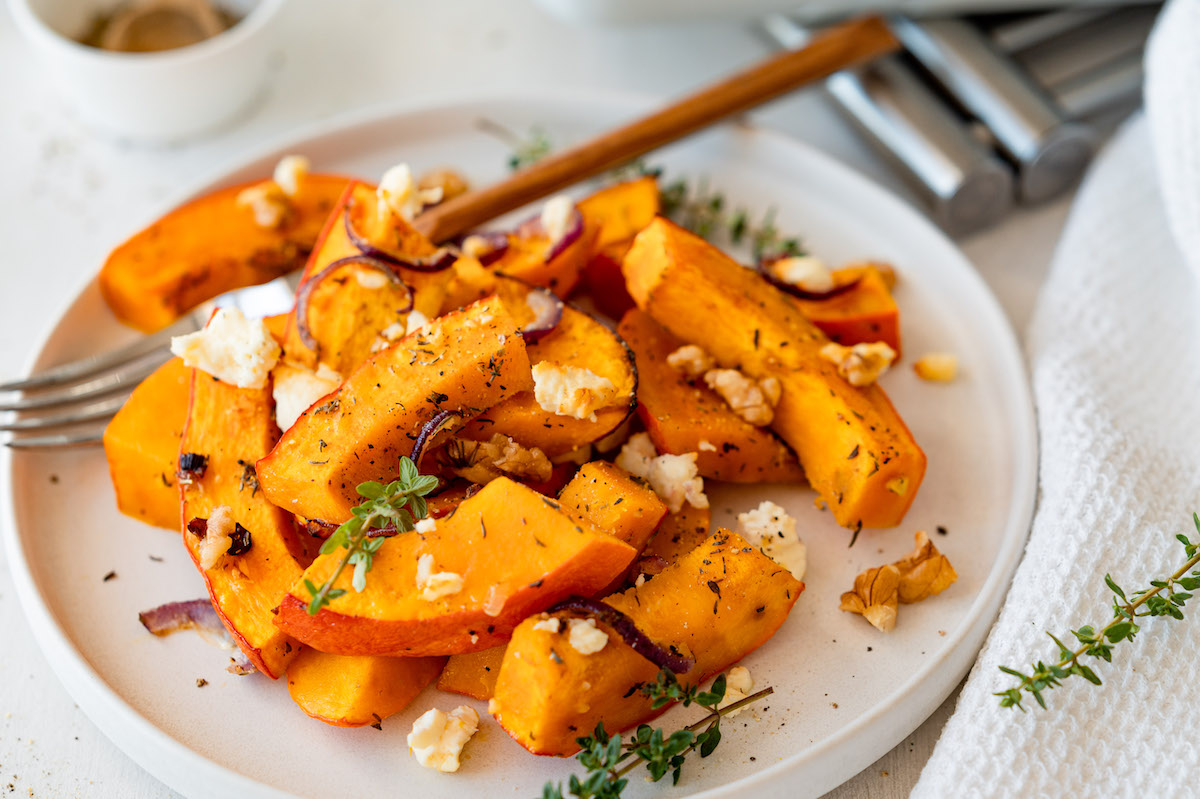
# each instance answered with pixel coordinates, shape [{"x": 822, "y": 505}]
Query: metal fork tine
[
  {"x": 126, "y": 376},
  {"x": 102, "y": 409},
  {"x": 86, "y": 367},
  {"x": 59, "y": 441}
]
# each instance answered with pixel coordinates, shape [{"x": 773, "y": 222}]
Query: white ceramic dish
[{"x": 845, "y": 693}]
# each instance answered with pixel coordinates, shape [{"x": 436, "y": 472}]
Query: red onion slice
[
  {"x": 172, "y": 617},
  {"x": 766, "y": 269},
  {"x": 442, "y": 258},
  {"x": 624, "y": 626},
  {"x": 492, "y": 246},
  {"x": 304, "y": 295},
  {"x": 533, "y": 227},
  {"x": 547, "y": 313},
  {"x": 440, "y": 421}
]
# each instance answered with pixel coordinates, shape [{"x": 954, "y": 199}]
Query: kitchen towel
[{"x": 1114, "y": 349}]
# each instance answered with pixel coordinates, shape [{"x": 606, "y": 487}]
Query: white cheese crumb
[
  {"x": 691, "y": 360},
  {"x": 738, "y": 685},
  {"x": 938, "y": 367},
  {"x": 290, "y": 172},
  {"x": 753, "y": 401},
  {"x": 296, "y": 389},
  {"x": 267, "y": 202},
  {"x": 805, "y": 272},
  {"x": 415, "y": 321},
  {"x": 707, "y": 446},
  {"x": 494, "y": 603},
  {"x": 556, "y": 217},
  {"x": 673, "y": 477},
  {"x": 585, "y": 637},
  {"x": 862, "y": 364},
  {"x": 571, "y": 391},
  {"x": 435, "y": 585},
  {"x": 773, "y": 531},
  {"x": 477, "y": 247},
  {"x": 550, "y": 625},
  {"x": 217, "y": 538},
  {"x": 640, "y": 581},
  {"x": 425, "y": 525},
  {"x": 231, "y": 348},
  {"x": 636, "y": 455},
  {"x": 398, "y": 194},
  {"x": 437, "y": 738},
  {"x": 370, "y": 279}
]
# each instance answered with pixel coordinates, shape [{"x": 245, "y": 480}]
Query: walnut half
[
  {"x": 875, "y": 597},
  {"x": 925, "y": 572}
]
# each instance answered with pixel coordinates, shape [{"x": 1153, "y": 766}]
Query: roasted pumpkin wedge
[
  {"x": 354, "y": 691},
  {"x": 473, "y": 674},
  {"x": 227, "y": 430},
  {"x": 141, "y": 444},
  {"x": 464, "y": 362},
  {"x": 507, "y": 552},
  {"x": 860, "y": 314},
  {"x": 530, "y": 258},
  {"x": 679, "y": 534},
  {"x": 617, "y": 212},
  {"x": 207, "y": 247},
  {"x": 717, "y": 604},
  {"x": 855, "y": 449},
  {"x": 683, "y": 417}
]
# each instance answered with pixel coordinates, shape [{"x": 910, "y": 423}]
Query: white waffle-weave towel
[{"x": 1114, "y": 349}]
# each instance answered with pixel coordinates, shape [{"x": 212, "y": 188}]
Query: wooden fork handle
[{"x": 838, "y": 48}]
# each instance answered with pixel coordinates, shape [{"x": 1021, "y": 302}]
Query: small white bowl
[{"x": 161, "y": 97}]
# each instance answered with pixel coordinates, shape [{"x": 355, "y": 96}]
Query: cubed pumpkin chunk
[
  {"x": 353, "y": 691},
  {"x": 465, "y": 361},
  {"x": 141, "y": 444},
  {"x": 677, "y": 535},
  {"x": 516, "y": 553},
  {"x": 548, "y": 692},
  {"x": 682, "y": 417},
  {"x": 473, "y": 674},
  {"x": 855, "y": 449},
  {"x": 618, "y": 212},
  {"x": 232, "y": 428},
  {"x": 207, "y": 247}
]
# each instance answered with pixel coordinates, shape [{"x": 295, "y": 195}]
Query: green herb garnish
[
  {"x": 607, "y": 759},
  {"x": 400, "y": 502},
  {"x": 1162, "y": 598}
]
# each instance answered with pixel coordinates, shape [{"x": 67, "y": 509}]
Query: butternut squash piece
[
  {"x": 683, "y": 417},
  {"x": 516, "y": 552},
  {"x": 141, "y": 444},
  {"x": 232, "y": 427},
  {"x": 207, "y": 247},
  {"x": 464, "y": 361},
  {"x": 717, "y": 604},
  {"x": 525, "y": 259},
  {"x": 854, "y": 447},
  {"x": 618, "y": 212},
  {"x": 357, "y": 691},
  {"x": 473, "y": 674},
  {"x": 861, "y": 314},
  {"x": 678, "y": 535}
]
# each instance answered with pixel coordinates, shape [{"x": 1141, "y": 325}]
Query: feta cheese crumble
[
  {"x": 673, "y": 477},
  {"x": 296, "y": 389},
  {"x": 861, "y": 364},
  {"x": 425, "y": 525},
  {"x": 773, "y": 531},
  {"x": 217, "y": 538},
  {"x": 753, "y": 401},
  {"x": 290, "y": 172},
  {"x": 435, "y": 585},
  {"x": 550, "y": 625},
  {"x": 556, "y": 217},
  {"x": 571, "y": 390},
  {"x": 267, "y": 202},
  {"x": 398, "y": 194},
  {"x": 231, "y": 348},
  {"x": 585, "y": 637},
  {"x": 437, "y": 738},
  {"x": 738, "y": 685},
  {"x": 691, "y": 360},
  {"x": 805, "y": 273}
]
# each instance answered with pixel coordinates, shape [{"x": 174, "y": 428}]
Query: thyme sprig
[
  {"x": 400, "y": 502},
  {"x": 1162, "y": 598},
  {"x": 609, "y": 760}
]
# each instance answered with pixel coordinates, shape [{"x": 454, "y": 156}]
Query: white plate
[{"x": 845, "y": 693}]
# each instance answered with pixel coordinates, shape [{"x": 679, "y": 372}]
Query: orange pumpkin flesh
[
  {"x": 617, "y": 212},
  {"x": 862, "y": 314},
  {"x": 356, "y": 691},
  {"x": 517, "y": 552},
  {"x": 855, "y": 449}
]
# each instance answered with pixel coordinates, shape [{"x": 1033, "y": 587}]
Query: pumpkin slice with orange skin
[
  {"x": 207, "y": 247},
  {"x": 682, "y": 417},
  {"x": 516, "y": 551},
  {"x": 861, "y": 314},
  {"x": 617, "y": 212},
  {"x": 233, "y": 427},
  {"x": 473, "y": 674},
  {"x": 465, "y": 362},
  {"x": 354, "y": 691},
  {"x": 719, "y": 603}
]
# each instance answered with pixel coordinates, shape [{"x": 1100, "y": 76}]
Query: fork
[{"x": 91, "y": 390}]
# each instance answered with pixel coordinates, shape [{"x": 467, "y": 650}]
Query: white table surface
[{"x": 67, "y": 197}]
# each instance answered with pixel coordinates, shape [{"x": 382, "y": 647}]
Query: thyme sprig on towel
[
  {"x": 400, "y": 502},
  {"x": 609, "y": 759},
  {"x": 1164, "y": 597}
]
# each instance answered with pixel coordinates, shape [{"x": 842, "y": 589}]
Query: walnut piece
[
  {"x": 924, "y": 572},
  {"x": 752, "y": 400},
  {"x": 937, "y": 367},
  {"x": 862, "y": 364},
  {"x": 691, "y": 360},
  {"x": 875, "y": 597}
]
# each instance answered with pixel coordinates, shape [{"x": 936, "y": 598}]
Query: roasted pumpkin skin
[
  {"x": 855, "y": 449},
  {"x": 141, "y": 444},
  {"x": 516, "y": 550},
  {"x": 548, "y": 692},
  {"x": 682, "y": 417},
  {"x": 207, "y": 247},
  {"x": 354, "y": 691},
  {"x": 233, "y": 427},
  {"x": 465, "y": 361},
  {"x": 617, "y": 212}
]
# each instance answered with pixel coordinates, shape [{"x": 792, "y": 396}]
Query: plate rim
[{"x": 176, "y": 765}]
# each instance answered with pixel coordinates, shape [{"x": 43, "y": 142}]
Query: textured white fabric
[{"x": 1115, "y": 355}]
